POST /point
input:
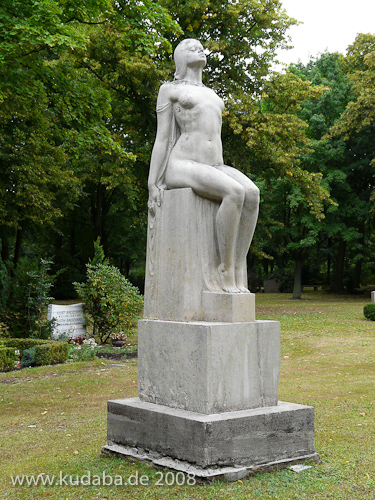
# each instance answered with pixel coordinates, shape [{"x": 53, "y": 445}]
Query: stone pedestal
[
  {"x": 208, "y": 371},
  {"x": 209, "y": 445},
  {"x": 182, "y": 259},
  {"x": 208, "y": 367}
]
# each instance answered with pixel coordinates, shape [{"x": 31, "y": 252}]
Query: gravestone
[
  {"x": 271, "y": 286},
  {"x": 70, "y": 320},
  {"x": 372, "y": 296}
]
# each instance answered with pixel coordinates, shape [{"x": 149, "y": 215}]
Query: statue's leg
[
  {"x": 247, "y": 222},
  {"x": 209, "y": 182}
]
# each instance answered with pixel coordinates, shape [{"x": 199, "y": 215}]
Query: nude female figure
[{"x": 188, "y": 153}]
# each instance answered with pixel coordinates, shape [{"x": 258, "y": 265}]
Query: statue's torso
[{"x": 198, "y": 113}]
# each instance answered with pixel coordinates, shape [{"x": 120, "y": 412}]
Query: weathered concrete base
[
  {"x": 209, "y": 367},
  {"x": 229, "y": 473},
  {"x": 236, "y": 440}
]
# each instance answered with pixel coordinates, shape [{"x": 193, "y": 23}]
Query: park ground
[{"x": 54, "y": 417}]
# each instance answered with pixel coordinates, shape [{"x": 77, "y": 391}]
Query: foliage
[
  {"x": 99, "y": 257},
  {"x": 369, "y": 311},
  {"x": 360, "y": 66},
  {"x": 47, "y": 352},
  {"x": 51, "y": 353},
  {"x": 8, "y": 357},
  {"x": 344, "y": 227},
  {"x": 23, "y": 344},
  {"x": 359, "y": 115},
  {"x": 28, "y": 357},
  {"x": 3, "y": 284},
  {"x": 84, "y": 352},
  {"x": 29, "y": 296},
  {"x": 111, "y": 302},
  {"x": 56, "y": 135}
]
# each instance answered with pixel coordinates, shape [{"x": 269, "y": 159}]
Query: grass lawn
[{"x": 54, "y": 418}]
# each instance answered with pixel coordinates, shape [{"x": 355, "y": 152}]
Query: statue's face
[{"x": 194, "y": 53}]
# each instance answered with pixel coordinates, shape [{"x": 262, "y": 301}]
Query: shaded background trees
[{"x": 78, "y": 88}]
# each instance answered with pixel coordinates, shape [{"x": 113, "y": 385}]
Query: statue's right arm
[{"x": 160, "y": 150}]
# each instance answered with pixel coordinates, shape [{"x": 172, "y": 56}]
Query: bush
[
  {"x": 81, "y": 352},
  {"x": 22, "y": 344},
  {"x": 28, "y": 357},
  {"x": 8, "y": 357},
  {"x": 24, "y": 314},
  {"x": 112, "y": 303},
  {"x": 47, "y": 352},
  {"x": 369, "y": 311}
]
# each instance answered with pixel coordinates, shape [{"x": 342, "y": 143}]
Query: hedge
[
  {"x": 47, "y": 352},
  {"x": 8, "y": 357},
  {"x": 369, "y": 311}
]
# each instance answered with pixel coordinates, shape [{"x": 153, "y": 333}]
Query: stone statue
[{"x": 188, "y": 154}]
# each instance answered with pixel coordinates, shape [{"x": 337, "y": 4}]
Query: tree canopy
[{"x": 78, "y": 88}]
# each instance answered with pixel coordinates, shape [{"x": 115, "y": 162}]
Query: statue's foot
[
  {"x": 240, "y": 282},
  {"x": 227, "y": 279}
]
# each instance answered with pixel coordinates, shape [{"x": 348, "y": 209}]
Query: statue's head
[{"x": 188, "y": 51}]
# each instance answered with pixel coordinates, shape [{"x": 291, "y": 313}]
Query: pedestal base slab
[{"x": 236, "y": 440}]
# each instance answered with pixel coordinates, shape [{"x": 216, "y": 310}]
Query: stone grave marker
[{"x": 70, "y": 320}]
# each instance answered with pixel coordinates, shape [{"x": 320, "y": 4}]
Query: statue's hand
[{"x": 155, "y": 199}]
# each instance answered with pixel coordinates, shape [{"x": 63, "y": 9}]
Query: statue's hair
[{"x": 179, "y": 58}]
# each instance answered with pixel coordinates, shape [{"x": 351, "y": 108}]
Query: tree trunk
[
  {"x": 338, "y": 285},
  {"x": 4, "y": 247},
  {"x": 357, "y": 274},
  {"x": 358, "y": 265},
  {"x": 18, "y": 247},
  {"x": 99, "y": 212},
  {"x": 297, "y": 288},
  {"x": 328, "y": 279}
]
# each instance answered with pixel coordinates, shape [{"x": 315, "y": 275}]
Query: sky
[{"x": 328, "y": 24}]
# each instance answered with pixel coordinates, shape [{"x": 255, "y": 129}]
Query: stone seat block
[{"x": 182, "y": 261}]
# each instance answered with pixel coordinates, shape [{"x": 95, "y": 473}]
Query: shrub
[
  {"x": 22, "y": 344},
  {"x": 82, "y": 352},
  {"x": 28, "y": 357},
  {"x": 24, "y": 314},
  {"x": 8, "y": 357},
  {"x": 369, "y": 311},
  {"x": 47, "y": 352},
  {"x": 112, "y": 303}
]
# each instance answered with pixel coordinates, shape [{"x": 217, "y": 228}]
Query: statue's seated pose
[{"x": 188, "y": 154}]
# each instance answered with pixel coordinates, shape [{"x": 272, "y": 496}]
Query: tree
[
  {"x": 341, "y": 231},
  {"x": 54, "y": 133}
]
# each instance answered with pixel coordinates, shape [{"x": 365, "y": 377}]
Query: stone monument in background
[
  {"x": 208, "y": 372},
  {"x": 69, "y": 320}
]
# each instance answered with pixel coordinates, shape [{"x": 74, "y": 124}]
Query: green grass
[{"x": 327, "y": 361}]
